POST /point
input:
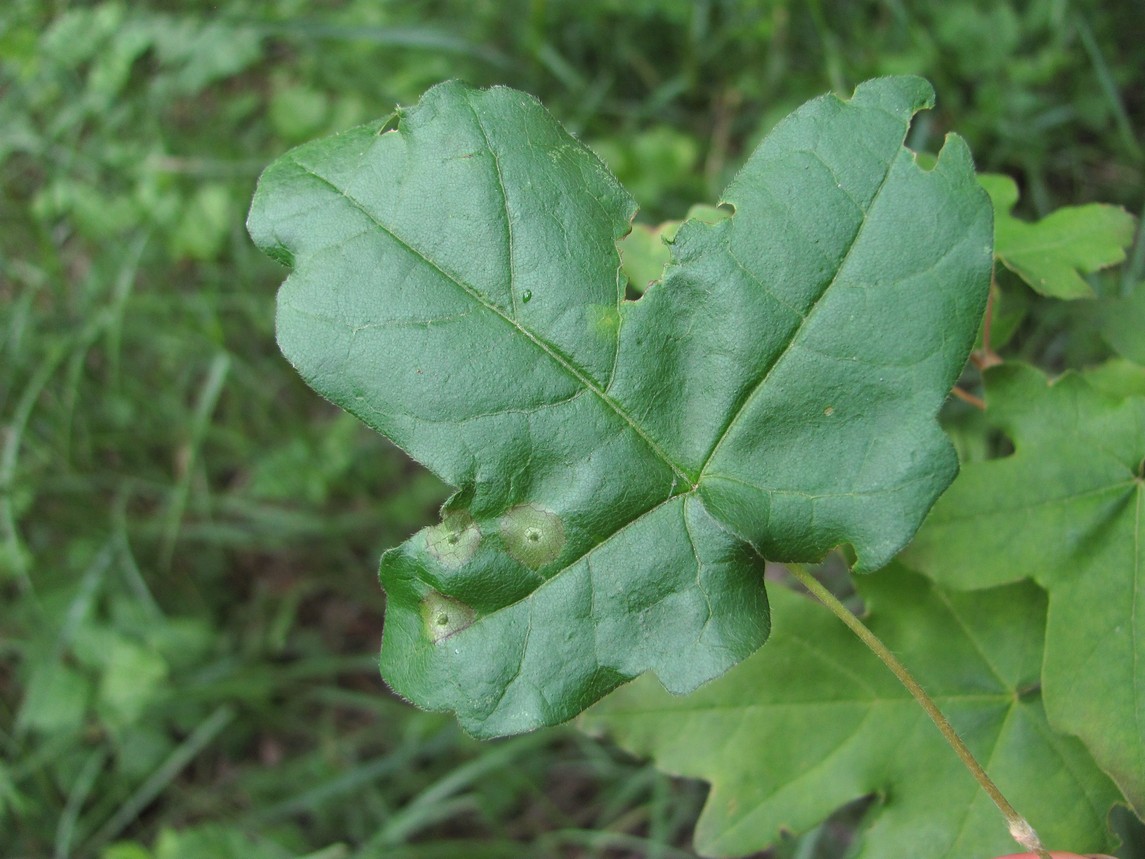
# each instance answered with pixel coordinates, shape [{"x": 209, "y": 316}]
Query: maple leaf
[
  {"x": 1067, "y": 509},
  {"x": 622, "y": 467},
  {"x": 1052, "y": 254}
]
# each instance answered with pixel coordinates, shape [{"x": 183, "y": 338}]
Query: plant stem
[
  {"x": 986, "y": 356},
  {"x": 1020, "y": 828},
  {"x": 968, "y": 397}
]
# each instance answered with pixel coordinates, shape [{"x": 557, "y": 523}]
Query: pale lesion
[
  {"x": 443, "y": 616},
  {"x": 454, "y": 541},
  {"x": 532, "y": 535}
]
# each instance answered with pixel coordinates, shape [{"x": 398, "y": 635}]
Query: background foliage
[{"x": 187, "y": 536}]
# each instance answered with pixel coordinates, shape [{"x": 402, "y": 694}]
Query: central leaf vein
[
  {"x": 547, "y": 348},
  {"x": 741, "y": 407}
]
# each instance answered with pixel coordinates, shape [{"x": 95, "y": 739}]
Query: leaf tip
[
  {"x": 955, "y": 156},
  {"x": 259, "y": 225}
]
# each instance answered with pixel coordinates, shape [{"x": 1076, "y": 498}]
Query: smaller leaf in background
[
  {"x": 657, "y": 165},
  {"x": 133, "y": 679},
  {"x": 644, "y": 253},
  {"x": 98, "y": 215},
  {"x": 1052, "y": 254},
  {"x": 208, "y": 218},
  {"x": 216, "y": 841},
  {"x": 813, "y": 721},
  {"x": 297, "y": 111},
  {"x": 198, "y": 53},
  {"x": 1117, "y": 377},
  {"x": 126, "y": 850},
  {"x": 1068, "y": 510}
]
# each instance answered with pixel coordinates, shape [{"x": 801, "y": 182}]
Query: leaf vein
[
  {"x": 547, "y": 348},
  {"x": 511, "y": 262},
  {"x": 741, "y": 407}
]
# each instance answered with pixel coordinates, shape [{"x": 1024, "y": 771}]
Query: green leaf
[
  {"x": 1118, "y": 377},
  {"x": 126, "y": 850},
  {"x": 644, "y": 254},
  {"x": 133, "y": 679},
  {"x": 1068, "y": 510},
  {"x": 215, "y": 841},
  {"x": 456, "y": 287},
  {"x": 1052, "y": 254},
  {"x": 814, "y": 721}
]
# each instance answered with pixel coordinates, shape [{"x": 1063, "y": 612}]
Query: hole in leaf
[
  {"x": 999, "y": 445},
  {"x": 391, "y": 122},
  {"x": 918, "y": 140},
  {"x": 280, "y": 254},
  {"x": 1028, "y": 691}
]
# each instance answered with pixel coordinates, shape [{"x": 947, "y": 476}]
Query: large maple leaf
[{"x": 623, "y": 466}]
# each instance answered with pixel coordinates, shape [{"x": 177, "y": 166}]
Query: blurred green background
[{"x": 188, "y": 536}]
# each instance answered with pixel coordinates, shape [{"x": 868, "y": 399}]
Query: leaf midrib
[
  {"x": 742, "y": 407},
  {"x": 546, "y": 348}
]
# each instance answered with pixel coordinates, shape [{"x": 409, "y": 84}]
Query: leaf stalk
[
  {"x": 986, "y": 357},
  {"x": 1020, "y": 829}
]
